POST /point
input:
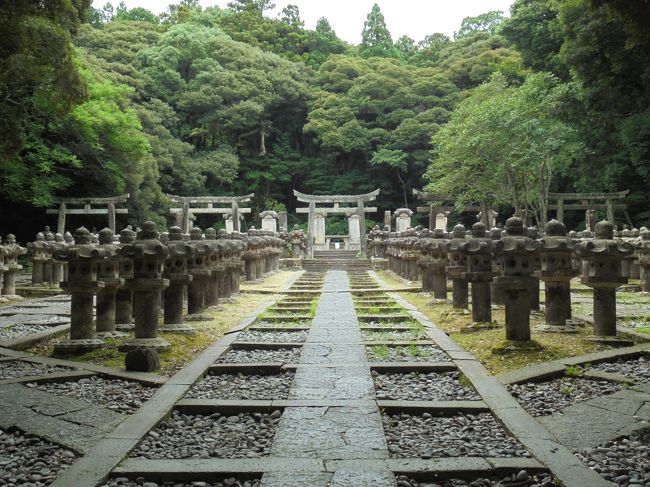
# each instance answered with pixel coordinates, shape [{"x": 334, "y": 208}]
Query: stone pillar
[
  {"x": 387, "y": 220},
  {"x": 319, "y": 231},
  {"x": 48, "y": 263},
  {"x": 354, "y": 231},
  {"x": 147, "y": 284},
  {"x": 457, "y": 268},
  {"x": 497, "y": 292},
  {"x": 402, "y": 219},
  {"x": 214, "y": 257},
  {"x": 532, "y": 233},
  {"x": 3, "y": 268},
  {"x": 82, "y": 284},
  {"x": 198, "y": 269},
  {"x": 108, "y": 271},
  {"x": 516, "y": 251},
  {"x": 124, "y": 295},
  {"x": 283, "y": 219},
  {"x": 556, "y": 271},
  {"x": 479, "y": 272},
  {"x": 602, "y": 270},
  {"x": 298, "y": 243},
  {"x": 177, "y": 272},
  {"x": 12, "y": 251}
]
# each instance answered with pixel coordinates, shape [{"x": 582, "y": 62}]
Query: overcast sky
[{"x": 415, "y": 18}]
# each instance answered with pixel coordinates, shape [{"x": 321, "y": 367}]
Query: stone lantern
[
  {"x": 479, "y": 272},
  {"x": 643, "y": 254},
  {"x": 124, "y": 295},
  {"x": 58, "y": 267},
  {"x": 3, "y": 268},
  {"x": 457, "y": 267},
  {"x": 516, "y": 253},
  {"x": 533, "y": 234},
  {"x": 602, "y": 270},
  {"x": 48, "y": 263},
  {"x": 213, "y": 290},
  {"x": 147, "y": 284},
  {"x": 108, "y": 271},
  {"x": 82, "y": 284},
  {"x": 250, "y": 266},
  {"x": 39, "y": 251},
  {"x": 410, "y": 256},
  {"x": 497, "y": 294},
  {"x": 11, "y": 253},
  {"x": 434, "y": 263},
  {"x": 556, "y": 255},
  {"x": 198, "y": 269},
  {"x": 298, "y": 242},
  {"x": 176, "y": 271},
  {"x": 236, "y": 264}
]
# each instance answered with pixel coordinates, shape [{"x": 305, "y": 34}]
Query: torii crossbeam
[{"x": 195, "y": 205}]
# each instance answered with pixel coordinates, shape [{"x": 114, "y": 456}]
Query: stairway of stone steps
[{"x": 345, "y": 260}]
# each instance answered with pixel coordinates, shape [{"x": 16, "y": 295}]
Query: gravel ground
[
  {"x": 246, "y": 435},
  {"x": 18, "y": 368},
  {"x": 393, "y": 336},
  {"x": 273, "y": 336},
  {"x": 419, "y": 386},
  {"x": 19, "y": 330},
  {"x": 425, "y": 436},
  {"x": 625, "y": 461},
  {"x": 229, "y": 482},
  {"x": 283, "y": 324},
  {"x": 241, "y": 356},
  {"x": 240, "y": 386},
  {"x": 545, "y": 398},
  {"x": 28, "y": 460},
  {"x": 411, "y": 353},
  {"x": 119, "y": 395},
  {"x": 519, "y": 479},
  {"x": 637, "y": 369}
]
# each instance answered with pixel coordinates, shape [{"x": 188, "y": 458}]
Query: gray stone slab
[
  {"x": 333, "y": 382},
  {"x": 297, "y": 479},
  {"x": 363, "y": 478}
]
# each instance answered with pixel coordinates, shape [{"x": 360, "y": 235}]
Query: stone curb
[{"x": 27, "y": 341}]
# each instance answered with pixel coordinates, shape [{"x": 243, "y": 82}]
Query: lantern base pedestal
[
  {"x": 125, "y": 326},
  {"x": 198, "y": 317},
  {"x": 614, "y": 341},
  {"x": 160, "y": 344},
  {"x": 111, "y": 334},
  {"x": 177, "y": 328},
  {"x": 556, "y": 329},
  {"x": 513, "y": 346},
  {"x": 78, "y": 346},
  {"x": 474, "y": 327}
]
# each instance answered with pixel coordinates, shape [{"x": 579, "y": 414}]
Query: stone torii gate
[
  {"x": 435, "y": 210},
  {"x": 195, "y": 205},
  {"x": 606, "y": 201},
  {"x": 335, "y": 201},
  {"x": 87, "y": 209}
]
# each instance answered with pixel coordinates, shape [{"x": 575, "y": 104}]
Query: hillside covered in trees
[{"x": 210, "y": 101}]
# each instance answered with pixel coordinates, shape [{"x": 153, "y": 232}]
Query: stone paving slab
[
  {"x": 590, "y": 423},
  {"x": 63, "y": 420},
  {"x": 330, "y": 433},
  {"x": 337, "y": 382}
]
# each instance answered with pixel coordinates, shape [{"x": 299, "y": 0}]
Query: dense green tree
[
  {"x": 535, "y": 30},
  {"x": 489, "y": 22},
  {"x": 137, "y": 14},
  {"x": 291, "y": 16},
  {"x": 259, "y": 6},
  {"x": 39, "y": 84},
  {"x": 428, "y": 50},
  {"x": 406, "y": 47},
  {"x": 504, "y": 144},
  {"x": 471, "y": 60},
  {"x": 376, "y": 40}
]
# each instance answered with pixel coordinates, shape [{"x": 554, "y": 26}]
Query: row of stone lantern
[
  {"x": 510, "y": 263},
  {"x": 141, "y": 274}
]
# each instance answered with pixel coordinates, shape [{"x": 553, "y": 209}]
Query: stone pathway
[{"x": 346, "y": 424}]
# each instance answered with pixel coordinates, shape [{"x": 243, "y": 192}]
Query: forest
[{"x": 198, "y": 101}]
